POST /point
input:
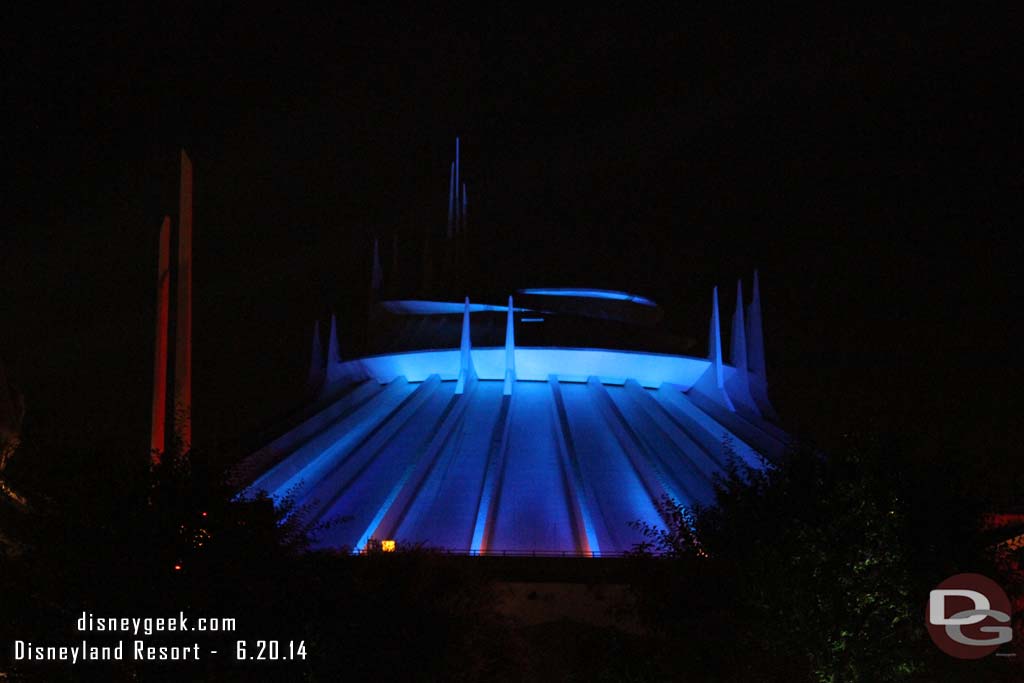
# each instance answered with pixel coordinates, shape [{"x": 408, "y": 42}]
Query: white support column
[
  {"x": 712, "y": 382},
  {"x": 467, "y": 373},
  {"x": 755, "y": 354},
  {"x": 510, "y": 351},
  {"x": 334, "y": 370},
  {"x": 738, "y": 384}
]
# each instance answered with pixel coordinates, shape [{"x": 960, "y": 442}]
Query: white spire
[
  {"x": 467, "y": 372},
  {"x": 333, "y": 354},
  {"x": 334, "y": 370},
  {"x": 715, "y": 335},
  {"x": 510, "y": 351},
  {"x": 712, "y": 382},
  {"x": 738, "y": 342},
  {"x": 716, "y": 340}
]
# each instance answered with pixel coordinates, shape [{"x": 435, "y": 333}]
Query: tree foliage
[
  {"x": 815, "y": 568},
  {"x": 110, "y": 536}
]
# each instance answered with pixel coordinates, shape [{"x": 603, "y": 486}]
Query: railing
[{"x": 500, "y": 553}]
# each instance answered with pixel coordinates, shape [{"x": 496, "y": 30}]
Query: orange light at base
[{"x": 387, "y": 546}]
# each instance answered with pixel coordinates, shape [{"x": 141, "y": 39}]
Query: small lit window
[{"x": 387, "y": 546}]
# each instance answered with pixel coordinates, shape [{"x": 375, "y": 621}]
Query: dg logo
[{"x": 968, "y": 616}]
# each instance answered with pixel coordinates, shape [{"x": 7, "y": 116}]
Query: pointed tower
[
  {"x": 758, "y": 379},
  {"x": 183, "y": 319},
  {"x": 510, "y": 351},
  {"x": 467, "y": 373},
  {"x": 738, "y": 383},
  {"x": 712, "y": 382},
  {"x": 334, "y": 371},
  {"x": 738, "y": 342},
  {"x": 716, "y": 341},
  {"x": 157, "y": 437},
  {"x": 177, "y": 357}
]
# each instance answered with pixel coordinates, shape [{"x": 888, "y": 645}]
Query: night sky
[{"x": 863, "y": 163}]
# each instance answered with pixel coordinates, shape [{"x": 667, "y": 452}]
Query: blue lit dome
[
  {"x": 548, "y": 421},
  {"x": 516, "y": 449}
]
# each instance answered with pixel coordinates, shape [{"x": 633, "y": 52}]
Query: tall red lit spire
[
  {"x": 163, "y": 290},
  {"x": 183, "y": 338}
]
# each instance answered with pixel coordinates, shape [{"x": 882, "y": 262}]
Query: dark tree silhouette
[{"x": 817, "y": 568}]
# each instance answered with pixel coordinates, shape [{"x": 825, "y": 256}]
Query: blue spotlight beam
[
  {"x": 776, "y": 432},
  {"x": 286, "y": 454},
  {"x": 320, "y": 455},
  {"x": 757, "y": 437},
  {"x": 647, "y": 470},
  {"x": 444, "y": 510},
  {"x": 418, "y": 307},
  {"x": 589, "y": 294},
  {"x": 536, "y": 364},
  {"x": 533, "y": 510},
  {"x": 580, "y": 498},
  {"x": 699, "y": 451},
  {"x": 745, "y": 437},
  {"x": 355, "y": 459},
  {"x": 648, "y": 448},
  {"x": 490, "y": 492},
  {"x": 392, "y": 511}
]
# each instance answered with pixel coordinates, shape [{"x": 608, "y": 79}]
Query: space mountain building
[{"x": 542, "y": 421}]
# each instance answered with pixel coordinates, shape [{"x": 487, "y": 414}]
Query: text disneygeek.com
[{"x": 138, "y": 649}]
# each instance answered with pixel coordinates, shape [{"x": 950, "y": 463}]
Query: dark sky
[{"x": 862, "y": 162}]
